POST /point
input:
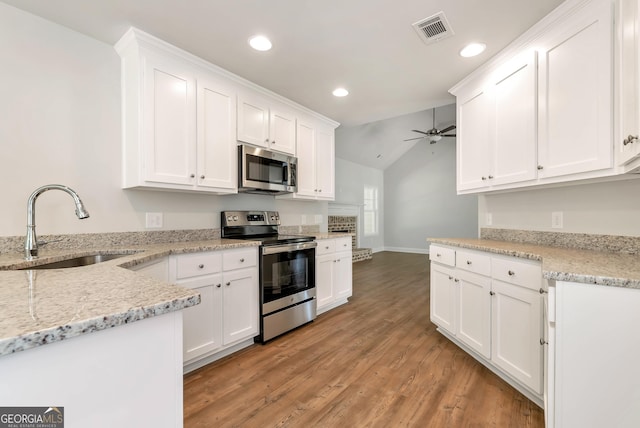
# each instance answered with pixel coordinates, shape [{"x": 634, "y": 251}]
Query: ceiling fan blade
[
  {"x": 420, "y": 132},
  {"x": 447, "y": 129},
  {"x": 417, "y": 138},
  {"x": 448, "y": 135}
]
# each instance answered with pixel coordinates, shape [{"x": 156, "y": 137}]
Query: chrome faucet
[{"x": 30, "y": 242}]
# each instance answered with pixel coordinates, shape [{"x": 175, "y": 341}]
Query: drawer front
[
  {"x": 197, "y": 264},
  {"x": 343, "y": 244},
  {"x": 238, "y": 259},
  {"x": 525, "y": 273},
  {"x": 444, "y": 255},
  {"x": 325, "y": 246},
  {"x": 473, "y": 261}
]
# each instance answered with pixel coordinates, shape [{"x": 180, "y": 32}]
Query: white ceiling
[{"x": 367, "y": 46}]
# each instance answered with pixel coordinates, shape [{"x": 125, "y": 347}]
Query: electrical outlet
[
  {"x": 488, "y": 219},
  {"x": 557, "y": 220},
  {"x": 153, "y": 220}
]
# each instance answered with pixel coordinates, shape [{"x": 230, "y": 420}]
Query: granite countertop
[
  {"x": 44, "y": 306},
  {"x": 331, "y": 235},
  {"x": 563, "y": 264}
]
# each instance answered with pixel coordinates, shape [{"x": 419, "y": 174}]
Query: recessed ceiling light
[
  {"x": 340, "y": 92},
  {"x": 472, "y": 49},
  {"x": 260, "y": 43}
]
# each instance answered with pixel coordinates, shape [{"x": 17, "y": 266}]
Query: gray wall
[
  {"x": 421, "y": 200},
  {"x": 60, "y": 110}
]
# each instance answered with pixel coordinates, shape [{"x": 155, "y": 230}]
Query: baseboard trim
[{"x": 407, "y": 250}]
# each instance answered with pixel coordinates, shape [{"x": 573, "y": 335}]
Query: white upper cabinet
[
  {"x": 576, "y": 98},
  {"x": 265, "y": 124},
  {"x": 628, "y": 124},
  {"x": 541, "y": 112}
]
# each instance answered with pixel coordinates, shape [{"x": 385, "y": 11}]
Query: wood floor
[{"x": 374, "y": 362}]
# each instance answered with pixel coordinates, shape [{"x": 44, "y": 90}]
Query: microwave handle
[{"x": 285, "y": 173}]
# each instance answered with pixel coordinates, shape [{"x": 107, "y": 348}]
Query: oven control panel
[{"x": 250, "y": 218}]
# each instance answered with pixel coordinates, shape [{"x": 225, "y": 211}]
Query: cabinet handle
[
  {"x": 228, "y": 283},
  {"x": 241, "y": 260},
  {"x": 540, "y": 167},
  {"x": 511, "y": 273},
  {"x": 450, "y": 277},
  {"x": 490, "y": 177},
  {"x": 468, "y": 262},
  {"x": 202, "y": 177},
  {"x": 543, "y": 342},
  {"x": 484, "y": 178},
  {"x": 492, "y": 293},
  {"x": 542, "y": 291},
  {"x": 201, "y": 266},
  {"x": 630, "y": 139},
  {"x": 456, "y": 280},
  {"x": 192, "y": 176},
  {"x": 219, "y": 285}
]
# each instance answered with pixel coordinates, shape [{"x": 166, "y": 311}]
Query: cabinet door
[
  {"x": 474, "y": 312},
  {"x": 202, "y": 324},
  {"x": 282, "y": 131},
  {"x": 514, "y": 124},
  {"x": 306, "y": 153},
  {"x": 575, "y": 94},
  {"x": 324, "y": 280},
  {"x": 473, "y": 144},
  {"x": 240, "y": 302},
  {"x": 169, "y": 122},
  {"x": 325, "y": 163},
  {"x": 342, "y": 283},
  {"x": 629, "y": 81},
  {"x": 217, "y": 154},
  {"x": 443, "y": 297},
  {"x": 516, "y": 330},
  {"x": 253, "y": 121}
]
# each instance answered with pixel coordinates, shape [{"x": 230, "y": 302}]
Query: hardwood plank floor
[{"x": 374, "y": 362}]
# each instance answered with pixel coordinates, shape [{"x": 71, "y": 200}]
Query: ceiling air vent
[{"x": 433, "y": 28}]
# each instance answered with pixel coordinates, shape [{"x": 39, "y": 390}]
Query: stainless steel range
[{"x": 287, "y": 270}]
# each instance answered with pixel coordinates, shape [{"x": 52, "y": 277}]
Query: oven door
[
  {"x": 265, "y": 171},
  {"x": 287, "y": 275}
]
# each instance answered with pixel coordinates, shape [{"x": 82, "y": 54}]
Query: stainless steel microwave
[{"x": 263, "y": 171}]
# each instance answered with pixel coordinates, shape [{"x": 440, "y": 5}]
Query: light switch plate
[{"x": 153, "y": 220}]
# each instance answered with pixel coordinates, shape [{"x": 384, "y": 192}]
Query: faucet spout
[{"x": 31, "y": 242}]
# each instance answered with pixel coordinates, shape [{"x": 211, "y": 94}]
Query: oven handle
[{"x": 286, "y": 248}]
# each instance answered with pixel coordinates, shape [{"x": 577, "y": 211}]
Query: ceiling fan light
[
  {"x": 472, "y": 49},
  {"x": 434, "y": 139}
]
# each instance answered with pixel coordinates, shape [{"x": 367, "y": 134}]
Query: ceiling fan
[{"x": 434, "y": 135}]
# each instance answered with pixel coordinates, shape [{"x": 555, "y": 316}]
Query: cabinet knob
[
  {"x": 543, "y": 342},
  {"x": 438, "y": 255},
  {"x": 266, "y": 141},
  {"x": 511, "y": 273},
  {"x": 456, "y": 280},
  {"x": 201, "y": 266},
  {"x": 326, "y": 248},
  {"x": 450, "y": 277},
  {"x": 490, "y": 177},
  {"x": 320, "y": 190},
  {"x": 492, "y": 293},
  {"x": 540, "y": 167},
  {"x": 273, "y": 142},
  {"x": 468, "y": 262},
  {"x": 484, "y": 178},
  {"x": 241, "y": 260},
  {"x": 630, "y": 139},
  {"x": 192, "y": 176},
  {"x": 202, "y": 177},
  {"x": 542, "y": 291},
  {"x": 219, "y": 285},
  {"x": 228, "y": 283}
]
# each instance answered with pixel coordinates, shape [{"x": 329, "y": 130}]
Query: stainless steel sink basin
[{"x": 79, "y": 261}]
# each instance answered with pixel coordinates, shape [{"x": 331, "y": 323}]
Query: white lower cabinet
[
  {"x": 334, "y": 283},
  {"x": 228, "y": 313},
  {"x": 491, "y": 306}
]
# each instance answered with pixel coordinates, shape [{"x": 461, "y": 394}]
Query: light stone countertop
[
  {"x": 330, "y": 235},
  {"x": 563, "y": 264},
  {"x": 38, "y": 307}
]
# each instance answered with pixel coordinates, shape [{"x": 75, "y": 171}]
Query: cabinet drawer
[
  {"x": 326, "y": 246},
  {"x": 519, "y": 272},
  {"x": 190, "y": 265},
  {"x": 474, "y": 262},
  {"x": 343, "y": 244},
  {"x": 446, "y": 256},
  {"x": 238, "y": 259}
]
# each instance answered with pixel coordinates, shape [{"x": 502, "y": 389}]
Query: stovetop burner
[{"x": 257, "y": 226}]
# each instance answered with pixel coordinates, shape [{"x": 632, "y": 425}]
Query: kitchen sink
[{"x": 79, "y": 261}]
